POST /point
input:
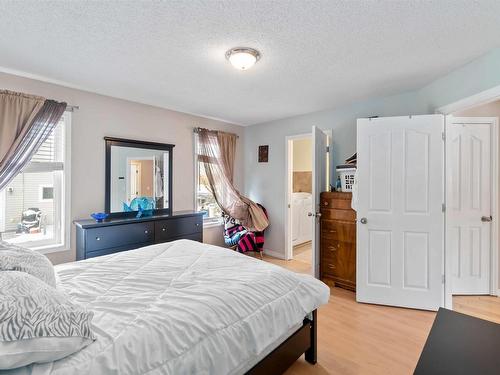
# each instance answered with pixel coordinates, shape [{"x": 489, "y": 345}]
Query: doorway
[
  {"x": 140, "y": 178},
  {"x": 472, "y": 205},
  {"x": 300, "y": 157},
  {"x": 313, "y": 156}
]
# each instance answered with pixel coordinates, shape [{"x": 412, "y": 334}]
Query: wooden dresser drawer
[
  {"x": 328, "y": 268},
  {"x": 168, "y": 230},
  {"x": 344, "y": 231},
  {"x": 340, "y": 204},
  {"x": 329, "y": 249},
  {"x": 119, "y": 235},
  {"x": 346, "y": 215}
]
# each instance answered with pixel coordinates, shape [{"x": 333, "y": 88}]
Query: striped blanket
[{"x": 244, "y": 240}]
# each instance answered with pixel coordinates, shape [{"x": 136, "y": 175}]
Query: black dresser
[{"x": 120, "y": 234}]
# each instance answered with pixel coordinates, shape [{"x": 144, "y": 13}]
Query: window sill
[
  {"x": 211, "y": 223},
  {"x": 47, "y": 249}
]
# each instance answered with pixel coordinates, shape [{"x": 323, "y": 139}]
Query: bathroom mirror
[{"x": 138, "y": 176}]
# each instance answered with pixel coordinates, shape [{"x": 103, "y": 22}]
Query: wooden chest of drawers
[{"x": 338, "y": 240}]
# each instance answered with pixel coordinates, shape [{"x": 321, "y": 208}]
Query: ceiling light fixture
[{"x": 243, "y": 58}]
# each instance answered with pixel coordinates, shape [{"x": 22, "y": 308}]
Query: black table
[{"x": 460, "y": 344}]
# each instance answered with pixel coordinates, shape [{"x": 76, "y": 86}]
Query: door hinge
[
  {"x": 443, "y": 279},
  {"x": 443, "y": 136},
  {"x": 443, "y": 207},
  {"x": 327, "y": 148}
]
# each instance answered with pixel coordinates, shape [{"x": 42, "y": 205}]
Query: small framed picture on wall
[{"x": 263, "y": 154}]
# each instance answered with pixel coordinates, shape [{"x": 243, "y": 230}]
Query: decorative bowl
[{"x": 99, "y": 216}]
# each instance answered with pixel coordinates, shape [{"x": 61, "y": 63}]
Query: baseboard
[{"x": 274, "y": 254}]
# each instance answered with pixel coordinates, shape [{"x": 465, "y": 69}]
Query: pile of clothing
[{"x": 242, "y": 239}]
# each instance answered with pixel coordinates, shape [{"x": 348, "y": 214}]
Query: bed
[{"x": 189, "y": 308}]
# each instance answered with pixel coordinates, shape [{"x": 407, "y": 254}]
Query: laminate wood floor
[
  {"x": 303, "y": 252},
  {"x": 356, "y": 338}
]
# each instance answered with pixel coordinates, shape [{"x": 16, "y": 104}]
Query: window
[
  {"x": 46, "y": 193},
  {"x": 205, "y": 200},
  {"x": 33, "y": 206}
]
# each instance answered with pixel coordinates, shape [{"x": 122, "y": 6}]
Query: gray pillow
[
  {"x": 15, "y": 258},
  {"x": 38, "y": 323}
]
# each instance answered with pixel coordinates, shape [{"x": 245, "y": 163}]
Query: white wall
[{"x": 101, "y": 116}]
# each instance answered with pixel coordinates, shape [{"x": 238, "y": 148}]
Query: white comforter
[{"x": 183, "y": 308}]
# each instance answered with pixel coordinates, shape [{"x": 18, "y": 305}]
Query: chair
[
  {"x": 238, "y": 238},
  {"x": 30, "y": 219}
]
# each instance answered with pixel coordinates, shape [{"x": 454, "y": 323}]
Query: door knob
[
  {"x": 363, "y": 220},
  {"x": 486, "y": 219},
  {"x": 317, "y": 214}
]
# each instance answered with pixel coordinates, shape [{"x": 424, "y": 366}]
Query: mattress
[{"x": 182, "y": 308}]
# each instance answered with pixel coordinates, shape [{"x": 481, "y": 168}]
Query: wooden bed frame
[{"x": 304, "y": 340}]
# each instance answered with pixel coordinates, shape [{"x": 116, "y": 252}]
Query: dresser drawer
[
  {"x": 328, "y": 268},
  {"x": 344, "y": 231},
  {"x": 346, "y": 215},
  {"x": 329, "y": 249},
  {"x": 335, "y": 203},
  {"x": 114, "y": 250},
  {"x": 119, "y": 235},
  {"x": 329, "y": 229},
  {"x": 167, "y": 230}
]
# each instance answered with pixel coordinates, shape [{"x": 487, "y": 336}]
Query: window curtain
[
  {"x": 25, "y": 123},
  {"x": 216, "y": 150}
]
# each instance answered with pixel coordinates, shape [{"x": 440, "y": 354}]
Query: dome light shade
[{"x": 243, "y": 58}]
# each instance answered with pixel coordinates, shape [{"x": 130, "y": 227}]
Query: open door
[
  {"x": 319, "y": 184},
  {"x": 400, "y": 228}
]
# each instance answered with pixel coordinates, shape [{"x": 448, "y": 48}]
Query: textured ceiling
[{"x": 315, "y": 54}]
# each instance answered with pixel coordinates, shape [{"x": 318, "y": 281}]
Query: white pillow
[
  {"x": 15, "y": 258},
  {"x": 38, "y": 323}
]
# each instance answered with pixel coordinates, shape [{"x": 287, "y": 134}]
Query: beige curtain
[
  {"x": 17, "y": 111},
  {"x": 227, "y": 145},
  {"x": 216, "y": 150},
  {"x": 26, "y": 121}
]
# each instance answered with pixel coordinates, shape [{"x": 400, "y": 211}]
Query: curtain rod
[{"x": 197, "y": 129}]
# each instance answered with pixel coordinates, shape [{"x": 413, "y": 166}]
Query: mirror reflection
[{"x": 139, "y": 179}]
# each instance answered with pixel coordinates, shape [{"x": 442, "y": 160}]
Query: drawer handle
[
  {"x": 146, "y": 232},
  {"x": 331, "y": 266},
  {"x": 332, "y": 248},
  {"x": 98, "y": 238},
  {"x": 325, "y": 203},
  {"x": 163, "y": 229}
]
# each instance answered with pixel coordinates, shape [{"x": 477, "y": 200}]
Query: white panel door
[
  {"x": 400, "y": 220},
  {"x": 468, "y": 174},
  {"x": 319, "y": 184}
]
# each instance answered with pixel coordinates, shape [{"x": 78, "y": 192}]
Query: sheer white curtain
[{"x": 216, "y": 150}]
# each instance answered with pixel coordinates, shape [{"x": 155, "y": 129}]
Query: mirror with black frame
[{"x": 138, "y": 177}]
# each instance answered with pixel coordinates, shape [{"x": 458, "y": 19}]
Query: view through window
[
  {"x": 32, "y": 204},
  {"x": 205, "y": 200}
]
